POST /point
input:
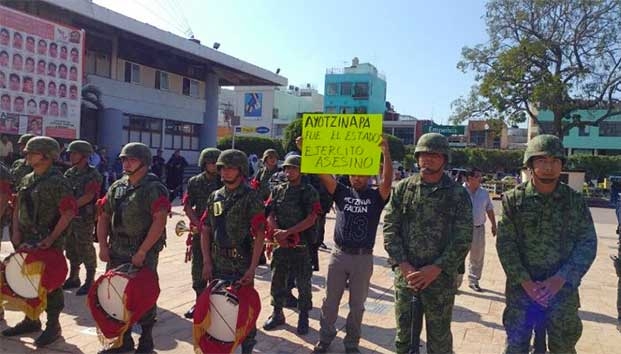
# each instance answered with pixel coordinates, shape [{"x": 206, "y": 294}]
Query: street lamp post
[{"x": 486, "y": 133}]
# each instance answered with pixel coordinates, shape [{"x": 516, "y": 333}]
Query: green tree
[
  {"x": 559, "y": 56},
  {"x": 293, "y": 130},
  {"x": 251, "y": 144}
]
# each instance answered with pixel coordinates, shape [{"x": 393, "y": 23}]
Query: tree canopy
[{"x": 559, "y": 56}]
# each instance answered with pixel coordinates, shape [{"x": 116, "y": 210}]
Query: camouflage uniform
[
  {"x": 80, "y": 249},
  {"x": 198, "y": 191},
  {"x": 263, "y": 181},
  {"x": 20, "y": 168},
  {"x": 539, "y": 236},
  {"x": 231, "y": 215},
  {"x": 41, "y": 200},
  {"x": 428, "y": 224}
]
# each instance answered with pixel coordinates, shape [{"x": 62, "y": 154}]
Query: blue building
[
  {"x": 358, "y": 88},
  {"x": 604, "y": 139}
]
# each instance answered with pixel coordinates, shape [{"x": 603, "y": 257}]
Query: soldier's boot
[
  {"x": 276, "y": 319},
  {"x": 74, "y": 278},
  {"x": 25, "y": 326},
  {"x": 51, "y": 333},
  {"x": 126, "y": 347},
  {"x": 90, "y": 278},
  {"x": 247, "y": 348},
  {"x": 145, "y": 343},
  {"x": 303, "y": 323},
  {"x": 190, "y": 313}
]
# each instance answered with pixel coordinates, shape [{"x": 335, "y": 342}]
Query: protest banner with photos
[{"x": 342, "y": 144}]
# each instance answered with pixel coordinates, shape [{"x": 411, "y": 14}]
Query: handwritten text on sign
[{"x": 343, "y": 144}]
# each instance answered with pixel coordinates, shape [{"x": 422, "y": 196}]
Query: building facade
[
  {"x": 359, "y": 88},
  {"x": 155, "y": 87}
]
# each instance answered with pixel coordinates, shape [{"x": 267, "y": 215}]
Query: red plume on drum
[
  {"x": 119, "y": 298},
  {"x": 223, "y": 316},
  {"x": 26, "y": 277}
]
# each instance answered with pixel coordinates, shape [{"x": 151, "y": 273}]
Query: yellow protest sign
[{"x": 343, "y": 144}]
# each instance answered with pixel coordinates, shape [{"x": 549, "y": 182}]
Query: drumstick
[
  {"x": 21, "y": 266},
  {"x": 222, "y": 317}
]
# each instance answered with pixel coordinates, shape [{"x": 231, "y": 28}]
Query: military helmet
[
  {"x": 45, "y": 145},
  {"x": 432, "y": 143},
  {"x": 210, "y": 154},
  {"x": 23, "y": 139},
  {"x": 234, "y": 158},
  {"x": 269, "y": 153},
  {"x": 138, "y": 151},
  {"x": 81, "y": 147},
  {"x": 544, "y": 145},
  {"x": 293, "y": 160}
]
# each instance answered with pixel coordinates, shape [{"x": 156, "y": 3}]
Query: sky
[{"x": 415, "y": 43}]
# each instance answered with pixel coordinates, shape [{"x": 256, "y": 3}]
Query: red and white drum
[
  {"x": 223, "y": 310},
  {"x": 19, "y": 279},
  {"x": 111, "y": 292}
]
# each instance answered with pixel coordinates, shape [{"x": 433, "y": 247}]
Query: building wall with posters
[
  {"x": 359, "y": 88},
  {"x": 605, "y": 139},
  {"x": 153, "y": 86}
]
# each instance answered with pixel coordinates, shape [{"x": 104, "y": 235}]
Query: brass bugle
[{"x": 181, "y": 228}]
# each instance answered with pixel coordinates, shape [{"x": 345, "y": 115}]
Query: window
[
  {"x": 546, "y": 127},
  {"x": 346, "y": 89},
  {"x": 332, "y": 89},
  {"x": 610, "y": 129},
  {"x": 98, "y": 63},
  {"x": 345, "y": 109},
  {"x": 181, "y": 135},
  {"x": 190, "y": 87},
  {"x": 275, "y": 113},
  {"x": 161, "y": 80},
  {"x": 405, "y": 134},
  {"x": 361, "y": 90},
  {"x": 142, "y": 129},
  {"x": 132, "y": 72},
  {"x": 360, "y": 110},
  {"x": 477, "y": 137},
  {"x": 583, "y": 131},
  {"x": 330, "y": 109}
]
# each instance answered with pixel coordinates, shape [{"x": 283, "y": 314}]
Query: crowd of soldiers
[{"x": 546, "y": 238}]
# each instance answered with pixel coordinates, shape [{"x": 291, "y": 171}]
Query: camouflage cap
[
  {"x": 138, "y": 151},
  {"x": 45, "y": 145},
  {"x": 210, "y": 154},
  {"x": 80, "y": 146},
  {"x": 544, "y": 145},
  {"x": 269, "y": 153},
  {"x": 234, "y": 158},
  {"x": 432, "y": 143},
  {"x": 23, "y": 139},
  {"x": 293, "y": 160}
]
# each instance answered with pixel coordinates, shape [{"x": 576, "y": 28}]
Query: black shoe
[
  {"x": 291, "y": 302},
  {"x": 276, "y": 319},
  {"x": 25, "y": 326},
  {"x": 83, "y": 290},
  {"x": 71, "y": 283},
  {"x": 127, "y": 347},
  {"x": 475, "y": 287},
  {"x": 49, "y": 335},
  {"x": 321, "y": 347},
  {"x": 247, "y": 349},
  {"x": 189, "y": 313},
  {"x": 352, "y": 350},
  {"x": 303, "y": 323},
  {"x": 324, "y": 247},
  {"x": 619, "y": 324},
  {"x": 145, "y": 343}
]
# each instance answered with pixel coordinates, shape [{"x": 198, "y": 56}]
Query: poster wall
[{"x": 40, "y": 76}]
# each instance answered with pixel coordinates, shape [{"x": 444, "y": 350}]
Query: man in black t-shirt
[{"x": 358, "y": 210}]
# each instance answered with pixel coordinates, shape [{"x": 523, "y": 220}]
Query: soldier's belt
[
  {"x": 228, "y": 252},
  {"x": 356, "y": 251}
]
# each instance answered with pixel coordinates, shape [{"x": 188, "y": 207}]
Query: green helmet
[
  {"x": 138, "y": 151},
  {"x": 544, "y": 145},
  {"x": 81, "y": 147},
  {"x": 434, "y": 143},
  {"x": 293, "y": 160},
  {"x": 24, "y": 138},
  {"x": 45, "y": 145},
  {"x": 234, "y": 158},
  {"x": 269, "y": 153},
  {"x": 210, "y": 154}
]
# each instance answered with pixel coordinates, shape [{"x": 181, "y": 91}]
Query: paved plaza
[{"x": 477, "y": 326}]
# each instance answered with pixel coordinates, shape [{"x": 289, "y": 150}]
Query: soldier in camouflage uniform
[
  {"x": 44, "y": 209},
  {"x": 20, "y": 168},
  {"x": 134, "y": 217},
  {"x": 546, "y": 243},
  {"x": 194, "y": 205},
  {"x": 5, "y": 195},
  {"x": 86, "y": 183},
  {"x": 427, "y": 233},
  {"x": 261, "y": 182},
  {"x": 292, "y": 209},
  {"x": 233, "y": 228}
]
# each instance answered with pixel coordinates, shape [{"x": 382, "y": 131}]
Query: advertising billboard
[
  {"x": 253, "y": 104},
  {"x": 40, "y": 76}
]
